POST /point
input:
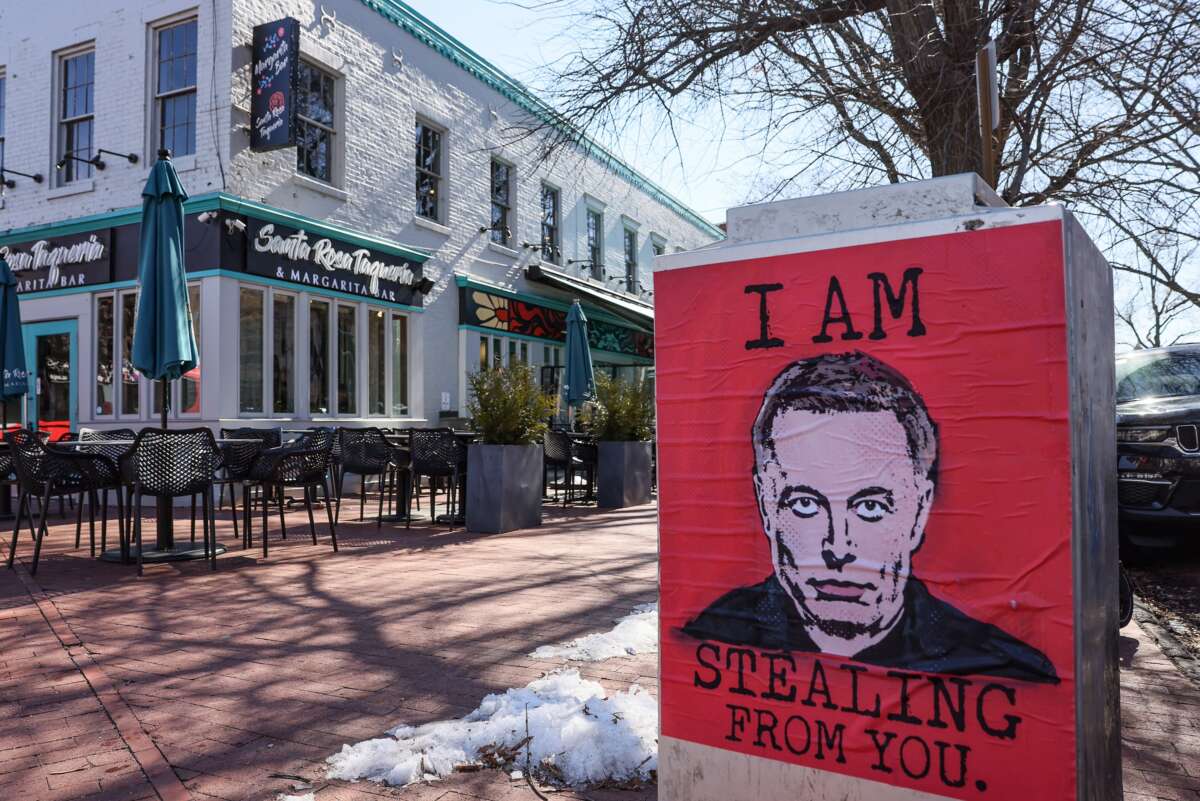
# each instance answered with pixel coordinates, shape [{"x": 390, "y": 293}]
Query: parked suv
[{"x": 1158, "y": 442}]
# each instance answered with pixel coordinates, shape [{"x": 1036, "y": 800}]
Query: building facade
[{"x": 409, "y": 238}]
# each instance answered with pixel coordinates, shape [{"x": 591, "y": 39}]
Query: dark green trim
[
  {"x": 223, "y": 202},
  {"x": 429, "y": 34}
]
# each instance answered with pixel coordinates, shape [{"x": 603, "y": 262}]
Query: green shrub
[
  {"x": 622, "y": 412},
  {"x": 508, "y": 407}
]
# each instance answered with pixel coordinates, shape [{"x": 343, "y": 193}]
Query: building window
[
  {"x": 318, "y": 357},
  {"x": 501, "y": 203},
  {"x": 376, "y": 362},
  {"x": 130, "y": 387},
  {"x": 429, "y": 172},
  {"x": 283, "y": 353},
  {"x": 550, "y": 225},
  {"x": 347, "y": 363},
  {"x": 595, "y": 243},
  {"x": 250, "y": 366},
  {"x": 659, "y": 248},
  {"x": 399, "y": 365},
  {"x": 315, "y": 130},
  {"x": 3, "y": 86},
  {"x": 631, "y": 257},
  {"x": 106, "y": 389},
  {"x": 185, "y": 393},
  {"x": 75, "y": 116},
  {"x": 175, "y": 88}
]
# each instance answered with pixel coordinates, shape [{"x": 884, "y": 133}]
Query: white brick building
[{"x": 280, "y": 339}]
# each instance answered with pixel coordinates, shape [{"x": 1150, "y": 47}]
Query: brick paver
[{"x": 251, "y": 676}]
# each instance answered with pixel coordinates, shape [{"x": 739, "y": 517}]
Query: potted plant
[
  {"x": 622, "y": 421},
  {"x": 504, "y": 469}
]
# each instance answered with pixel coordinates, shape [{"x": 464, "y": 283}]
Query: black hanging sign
[{"x": 275, "y": 72}]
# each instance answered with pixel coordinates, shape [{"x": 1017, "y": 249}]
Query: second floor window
[
  {"x": 429, "y": 172},
  {"x": 175, "y": 88},
  {"x": 3, "y": 81},
  {"x": 75, "y": 116},
  {"x": 501, "y": 230},
  {"x": 315, "y": 129},
  {"x": 550, "y": 240},
  {"x": 631, "y": 264},
  {"x": 595, "y": 243}
]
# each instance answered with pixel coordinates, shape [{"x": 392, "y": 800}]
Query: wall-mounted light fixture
[
  {"x": 132, "y": 158},
  {"x": 11, "y": 184},
  {"x": 95, "y": 161}
]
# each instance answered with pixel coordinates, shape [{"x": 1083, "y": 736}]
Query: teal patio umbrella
[
  {"x": 579, "y": 383},
  {"x": 164, "y": 347},
  {"x": 14, "y": 376}
]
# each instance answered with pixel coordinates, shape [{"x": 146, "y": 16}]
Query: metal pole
[
  {"x": 166, "y": 509},
  {"x": 985, "y": 83},
  {"x": 5, "y": 492}
]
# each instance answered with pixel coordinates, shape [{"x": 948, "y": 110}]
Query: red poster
[{"x": 864, "y": 467}]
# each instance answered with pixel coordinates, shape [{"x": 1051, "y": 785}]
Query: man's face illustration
[{"x": 845, "y": 508}]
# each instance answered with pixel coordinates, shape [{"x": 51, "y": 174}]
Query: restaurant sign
[
  {"x": 483, "y": 309},
  {"x": 294, "y": 255},
  {"x": 275, "y": 71},
  {"x": 60, "y": 263}
]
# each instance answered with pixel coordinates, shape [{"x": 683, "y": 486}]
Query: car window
[{"x": 1157, "y": 376}]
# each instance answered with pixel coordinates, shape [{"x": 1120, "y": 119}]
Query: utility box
[{"x": 887, "y": 516}]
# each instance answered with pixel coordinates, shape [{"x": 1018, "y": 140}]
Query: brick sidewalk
[{"x": 267, "y": 668}]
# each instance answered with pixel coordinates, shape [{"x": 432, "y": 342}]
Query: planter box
[
  {"x": 504, "y": 487},
  {"x": 623, "y": 474}
]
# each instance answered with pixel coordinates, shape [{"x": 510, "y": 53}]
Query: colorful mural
[{"x": 488, "y": 310}]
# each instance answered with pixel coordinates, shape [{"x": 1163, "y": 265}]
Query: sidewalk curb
[{"x": 1187, "y": 664}]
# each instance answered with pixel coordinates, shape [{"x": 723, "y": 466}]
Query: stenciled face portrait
[{"x": 844, "y": 504}]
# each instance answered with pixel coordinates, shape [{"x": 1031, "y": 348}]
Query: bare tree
[
  {"x": 1099, "y": 98},
  {"x": 1155, "y": 316}
]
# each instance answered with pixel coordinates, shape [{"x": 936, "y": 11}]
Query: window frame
[
  {"x": 440, "y": 178},
  {"x": 631, "y": 258},
  {"x": 157, "y": 96},
  {"x": 3, "y": 114},
  {"x": 269, "y": 353},
  {"x": 508, "y": 214},
  {"x": 69, "y": 174},
  {"x": 264, "y": 370},
  {"x": 335, "y": 374},
  {"x": 555, "y": 228},
  {"x": 335, "y": 130},
  {"x": 595, "y": 249}
]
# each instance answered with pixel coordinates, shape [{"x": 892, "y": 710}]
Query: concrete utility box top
[{"x": 887, "y": 515}]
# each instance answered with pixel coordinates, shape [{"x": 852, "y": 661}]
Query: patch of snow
[
  {"x": 574, "y": 729},
  {"x": 636, "y": 633},
  {"x": 305, "y": 797}
]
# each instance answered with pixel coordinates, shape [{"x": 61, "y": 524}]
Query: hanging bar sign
[{"x": 275, "y": 71}]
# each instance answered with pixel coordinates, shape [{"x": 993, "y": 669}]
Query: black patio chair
[
  {"x": 587, "y": 457},
  {"x": 175, "y": 464},
  {"x": 365, "y": 452},
  {"x": 436, "y": 453},
  {"x": 558, "y": 452},
  {"x": 237, "y": 460},
  {"x": 303, "y": 465},
  {"x": 268, "y": 437},
  {"x": 43, "y": 471},
  {"x": 121, "y": 456}
]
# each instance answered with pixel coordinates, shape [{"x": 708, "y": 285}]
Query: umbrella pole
[
  {"x": 166, "y": 506},
  {"x": 5, "y": 493}
]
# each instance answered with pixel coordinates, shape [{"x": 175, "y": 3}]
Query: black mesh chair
[
  {"x": 437, "y": 454},
  {"x": 303, "y": 465},
  {"x": 42, "y": 472},
  {"x": 237, "y": 460},
  {"x": 267, "y": 437},
  {"x": 365, "y": 452},
  {"x": 175, "y": 464},
  {"x": 560, "y": 453},
  {"x": 122, "y": 456},
  {"x": 587, "y": 457}
]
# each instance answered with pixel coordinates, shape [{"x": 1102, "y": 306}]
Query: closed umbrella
[
  {"x": 14, "y": 376},
  {"x": 164, "y": 347},
  {"x": 579, "y": 383}
]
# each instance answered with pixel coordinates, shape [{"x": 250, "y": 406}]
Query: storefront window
[
  {"x": 347, "y": 364},
  {"x": 283, "y": 354},
  {"x": 399, "y": 366},
  {"x": 318, "y": 357},
  {"x": 376, "y": 361},
  {"x": 250, "y": 349},
  {"x": 189, "y": 384},
  {"x": 129, "y": 377},
  {"x": 106, "y": 389}
]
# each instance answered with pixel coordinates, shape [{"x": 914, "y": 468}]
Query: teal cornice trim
[
  {"x": 496, "y": 332},
  {"x": 209, "y": 202},
  {"x": 429, "y": 34},
  {"x": 541, "y": 300}
]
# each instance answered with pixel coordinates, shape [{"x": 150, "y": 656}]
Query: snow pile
[
  {"x": 636, "y": 633},
  {"x": 564, "y": 724},
  {"x": 305, "y": 797}
]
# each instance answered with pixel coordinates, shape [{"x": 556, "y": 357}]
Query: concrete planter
[
  {"x": 504, "y": 487},
  {"x": 623, "y": 474}
]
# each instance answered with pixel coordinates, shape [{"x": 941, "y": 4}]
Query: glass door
[{"x": 51, "y": 356}]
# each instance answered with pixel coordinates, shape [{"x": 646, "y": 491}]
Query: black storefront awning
[{"x": 625, "y": 307}]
